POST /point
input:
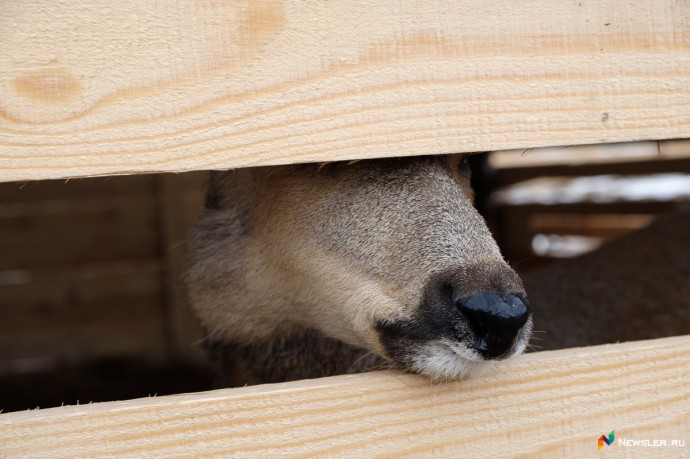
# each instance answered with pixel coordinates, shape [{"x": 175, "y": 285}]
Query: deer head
[{"x": 388, "y": 255}]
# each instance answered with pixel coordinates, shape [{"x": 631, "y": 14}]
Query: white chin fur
[
  {"x": 438, "y": 361},
  {"x": 444, "y": 360}
]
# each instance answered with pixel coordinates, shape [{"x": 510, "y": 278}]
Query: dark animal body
[{"x": 636, "y": 287}]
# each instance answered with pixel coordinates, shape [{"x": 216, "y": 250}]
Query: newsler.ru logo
[
  {"x": 642, "y": 443},
  {"x": 650, "y": 443},
  {"x": 603, "y": 439}
]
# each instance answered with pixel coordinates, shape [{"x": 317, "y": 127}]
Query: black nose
[{"x": 495, "y": 320}]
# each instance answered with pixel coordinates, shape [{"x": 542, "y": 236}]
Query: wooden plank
[
  {"x": 550, "y": 404},
  {"x": 505, "y": 177},
  {"x": 74, "y": 189},
  {"x": 59, "y": 233},
  {"x": 605, "y": 226},
  {"x": 80, "y": 271},
  {"x": 514, "y": 231},
  {"x": 91, "y": 88},
  {"x": 180, "y": 201},
  {"x": 583, "y": 155},
  {"x": 53, "y": 224},
  {"x": 78, "y": 313}
]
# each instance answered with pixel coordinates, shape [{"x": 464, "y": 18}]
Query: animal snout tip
[{"x": 496, "y": 321}]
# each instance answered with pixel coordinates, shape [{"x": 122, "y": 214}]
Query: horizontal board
[
  {"x": 78, "y": 313},
  {"x": 661, "y": 151},
  {"x": 76, "y": 189},
  {"x": 71, "y": 237},
  {"x": 84, "y": 270},
  {"x": 550, "y": 404},
  {"x": 96, "y": 87}
]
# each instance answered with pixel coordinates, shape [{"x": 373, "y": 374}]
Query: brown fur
[
  {"x": 343, "y": 253},
  {"x": 637, "y": 287}
]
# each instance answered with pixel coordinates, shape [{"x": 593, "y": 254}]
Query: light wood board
[
  {"x": 550, "y": 404},
  {"x": 100, "y": 87}
]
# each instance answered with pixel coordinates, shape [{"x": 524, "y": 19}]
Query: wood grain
[
  {"x": 91, "y": 268},
  {"x": 550, "y": 404},
  {"x": 180, "y": 201},
  {"x": 96, "y": 87}
]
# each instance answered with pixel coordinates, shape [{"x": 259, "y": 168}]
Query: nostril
[
  {"x": 495, "y": 320},
  {"x": 489, "y": 308}
]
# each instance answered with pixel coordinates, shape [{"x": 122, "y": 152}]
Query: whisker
[
  {"x": 382, "y": 366},
  {"x": 367, "y": 354}
]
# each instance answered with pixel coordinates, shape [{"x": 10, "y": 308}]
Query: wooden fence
[
  {"x": 100, "y": 88},
  {"x": 552, "y": 404},
  {"x": 96, "y": 87}
]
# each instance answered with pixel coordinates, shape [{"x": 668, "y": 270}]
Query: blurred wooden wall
[
  {"x": 595, "y": 217},
  {"x": 90, "y": 268}
]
